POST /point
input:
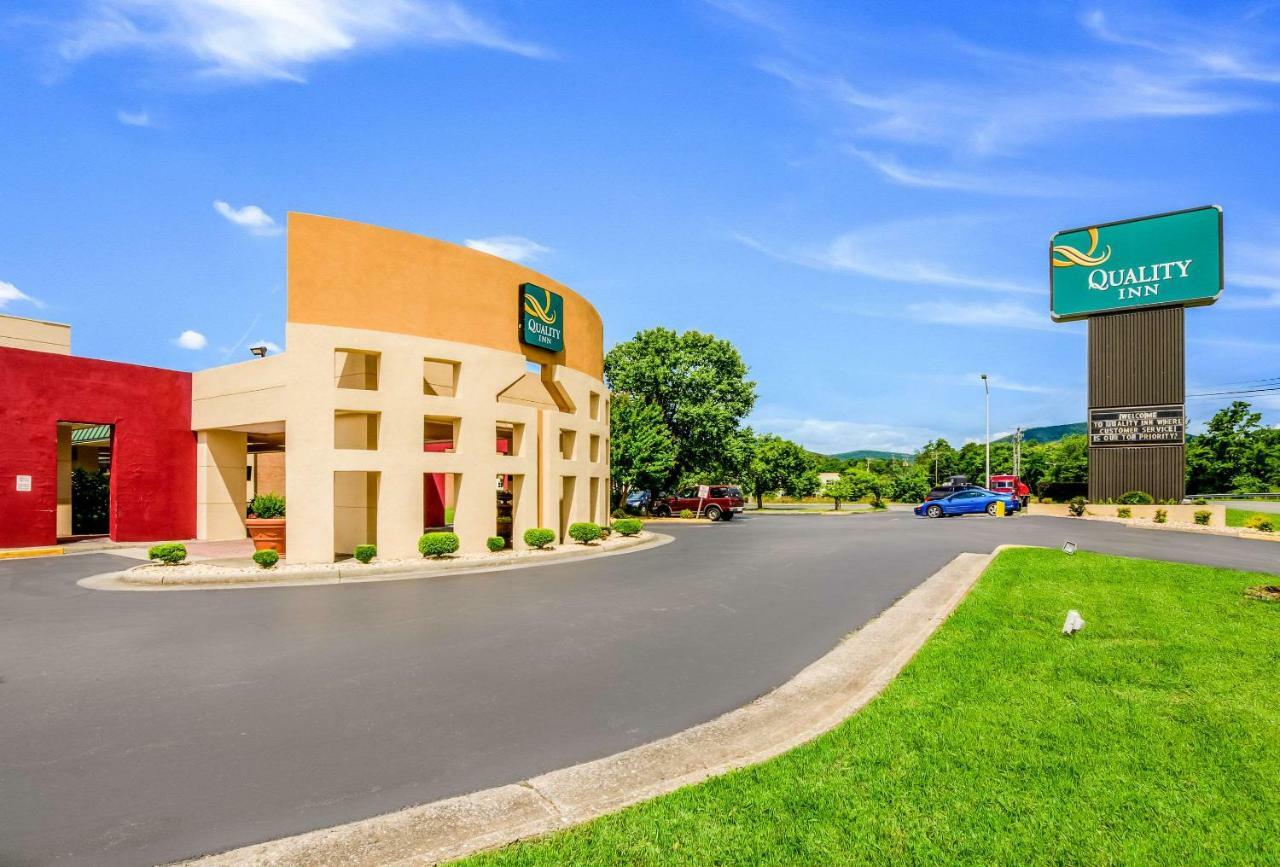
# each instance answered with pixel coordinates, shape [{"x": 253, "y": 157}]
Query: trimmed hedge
[
  {"x": 1202, "y": 517},
  {"x": 437, "y": 544},
  {"x": 628, "y": 526},
  {"x": 539, "y": 537},
  {"x": 168, "y": 553},
  {"x": 365, "y": 553},
  {"x": 266, "y": 558},
  {"x": 686, "y": 514},
  {"x": 584, "y": 532},
  {"x": 1136, "y": 498},
  {"x": 495, "y": 543}
]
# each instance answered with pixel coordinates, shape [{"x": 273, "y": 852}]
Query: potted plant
[{"x": 266, "y": 522}]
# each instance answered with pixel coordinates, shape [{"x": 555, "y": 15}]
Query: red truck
[
  {"x": 1012, "y": 486},
  {"x": 717, "y": 502}
]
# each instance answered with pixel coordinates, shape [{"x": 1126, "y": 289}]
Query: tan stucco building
[{"x": 408, "y": 397}]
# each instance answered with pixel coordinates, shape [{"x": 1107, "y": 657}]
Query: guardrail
[{"x": 1268, "y": 495}]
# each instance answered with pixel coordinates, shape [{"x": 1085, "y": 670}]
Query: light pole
[{"x": 986, "y": 390}]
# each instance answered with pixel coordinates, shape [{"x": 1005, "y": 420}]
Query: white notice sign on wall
[{"x": 24, "y": 483}]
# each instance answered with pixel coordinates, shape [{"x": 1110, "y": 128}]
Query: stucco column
[
  {"x": 64, "y": 480},
  {"x": 221, "y": 459}
]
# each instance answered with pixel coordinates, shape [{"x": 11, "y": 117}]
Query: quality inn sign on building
[{"x": 1145, "y": 262}]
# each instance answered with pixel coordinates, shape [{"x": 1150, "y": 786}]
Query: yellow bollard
[{"x": 999, "y": 508}]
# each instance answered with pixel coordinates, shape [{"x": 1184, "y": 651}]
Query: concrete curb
[
  {"x": 1135, "y": 524},
  {"x": 814, "y": 701},
  {"x": 129, "y": 579}
]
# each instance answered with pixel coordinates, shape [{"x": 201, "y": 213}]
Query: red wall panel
[{"x": 153, "y": 455}]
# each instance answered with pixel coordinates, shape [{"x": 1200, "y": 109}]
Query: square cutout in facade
[
  {"x": 355, "y": 430},
  {"x": 594, "y": 405},
  {"x": 509, "y": 435},
  {"x": 440, "y": 433},
  {"x": 568, "y": 444},
  {"x": 440, "y": 377},
  {"x": 355, "y": 368},
  {"x": 594, "y": 447}
]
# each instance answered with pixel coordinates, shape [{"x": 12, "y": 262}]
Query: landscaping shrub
[
  {"x": 539, "y": 537},
  {"x": 90, "y": 502},
  {"x": 437, "y": 544},
  {"x": 1202, "y": 517},
  {"x": 495, "y": 543},
  {"x": 365, "y": 553},
  {"x": 628, "y": 526},
  {"x": 1162, "y": 516},
  {"x": 1136, "y": 498},
  {"x": 1199, "y": 501},
  {"x": 686, "y": 514},
  {"x": 267, "y": 506},
  {"x": 619, "y": 513},
  {"x": 1124, "y": 512},
  {"x": 1076, "y": 507},
  {"x": 168, "y": 553},
  {"x": 605, "y": 531},
  {"x": 1264, "y": 523},
  {"x": 266, "y": 558},
  {"x": 584, "y": 532}
]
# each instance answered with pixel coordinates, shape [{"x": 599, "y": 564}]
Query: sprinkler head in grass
[
  {"x": 1073, "y": 624},
  {"x": 1068, "y": 547}
]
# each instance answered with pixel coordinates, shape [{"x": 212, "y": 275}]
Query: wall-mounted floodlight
[
  {"x": 1068, "y": 547},
  {"x": 259, "y": 350}
]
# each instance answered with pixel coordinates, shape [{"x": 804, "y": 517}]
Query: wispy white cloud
[
  {"x": 517, "y": 248},
  {"x": 919, "y": 252},
  {"x": 250, "y": 217},
  {"x": 10, "y": 293},
  {"x": 191, "y": 340},
  {"x": 996, "y": 182},
  {"x": 134, "y": 118},
  {"x": 246, "y": 40},
  {"x": 831, "y": 436},
  {"x": 1218, "y": 52}
]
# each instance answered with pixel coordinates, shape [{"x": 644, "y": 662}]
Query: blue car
[{"x": 972, "y": 501}]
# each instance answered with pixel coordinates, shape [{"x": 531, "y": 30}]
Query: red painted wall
[{"x": 153, "y": 451}]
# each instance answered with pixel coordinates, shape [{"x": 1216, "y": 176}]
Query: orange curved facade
[{"x": 425, "y": 288}]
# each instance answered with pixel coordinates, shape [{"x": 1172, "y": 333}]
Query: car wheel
[
  {"x": 934, "y": 511},
  {"x": 991, "y": 509},
  {"x": 662, "y": 512},
  {"x": 713, "y": 513}
]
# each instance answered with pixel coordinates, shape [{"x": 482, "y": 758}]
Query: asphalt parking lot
[{"x": 145, "y": 727}]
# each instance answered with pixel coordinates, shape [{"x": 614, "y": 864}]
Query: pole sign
[
  {"x": 1138, "y": 426},
  {"x": 1166, "y": 259},
  {"x": 541, "y": 318}
]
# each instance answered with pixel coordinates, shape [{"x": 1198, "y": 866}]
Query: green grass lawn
[
  {"x": 1239, "y": 517},
  {"x": 1153, "y": 736}
]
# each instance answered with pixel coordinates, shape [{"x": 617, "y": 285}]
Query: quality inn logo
[
  {"x": 1072, "y": 256},
  {"x": 541, "y": 318}
]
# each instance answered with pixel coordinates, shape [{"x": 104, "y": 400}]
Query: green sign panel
[
  {"x": 541, "y": 318},
  {"x": 1168, "y": 259}
]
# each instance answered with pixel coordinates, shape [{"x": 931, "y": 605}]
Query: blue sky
[{"x": 858, "y": 195}]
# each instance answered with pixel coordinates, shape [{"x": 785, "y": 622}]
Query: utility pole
[
  {"x": 986, "y": 390},
  {"x": 1017, "y": 452}
]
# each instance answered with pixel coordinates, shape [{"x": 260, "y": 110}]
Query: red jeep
[{"x": 717, "y": 502}]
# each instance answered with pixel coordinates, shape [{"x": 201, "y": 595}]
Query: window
[
  {"x": 568, "y": 441},
  {"x": 355, "y": 430},
  {"x": 509, "y": 437},
  {"x": 440, "y": 433},
  {"x": 440, "y": 377},
  {"x": 355, "y": 368}
]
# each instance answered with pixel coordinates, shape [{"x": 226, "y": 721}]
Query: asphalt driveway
[{"x": 140, "y": 728}]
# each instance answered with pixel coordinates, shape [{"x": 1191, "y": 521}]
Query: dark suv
[
  {"x": 955, "y": 483},
  {"x": 717, "y": 502}
]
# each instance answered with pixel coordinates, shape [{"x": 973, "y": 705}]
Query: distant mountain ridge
[
  {"x": 863, "y": 454},
  {"x": 1049, "y": 433}
]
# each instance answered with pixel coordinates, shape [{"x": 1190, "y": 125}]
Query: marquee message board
[
  {"x": 541, "y": 318},
  {"x": 1138, "y": 426},
  {"x": 1166, "y": 259}
]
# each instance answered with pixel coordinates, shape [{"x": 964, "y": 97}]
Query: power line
[{"x": 1236, "y": 392}]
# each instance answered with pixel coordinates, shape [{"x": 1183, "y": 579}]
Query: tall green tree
[
  {"x": 1228, "y": 449},
  {"x": 778, "y": 464},
  {"x": 700, "y": 384},
  {"x": 641, "y": 450}
]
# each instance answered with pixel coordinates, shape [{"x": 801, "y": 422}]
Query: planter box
[
  {"x": 1177, "y": 514},
  {"x": 266, "y": 533}
]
